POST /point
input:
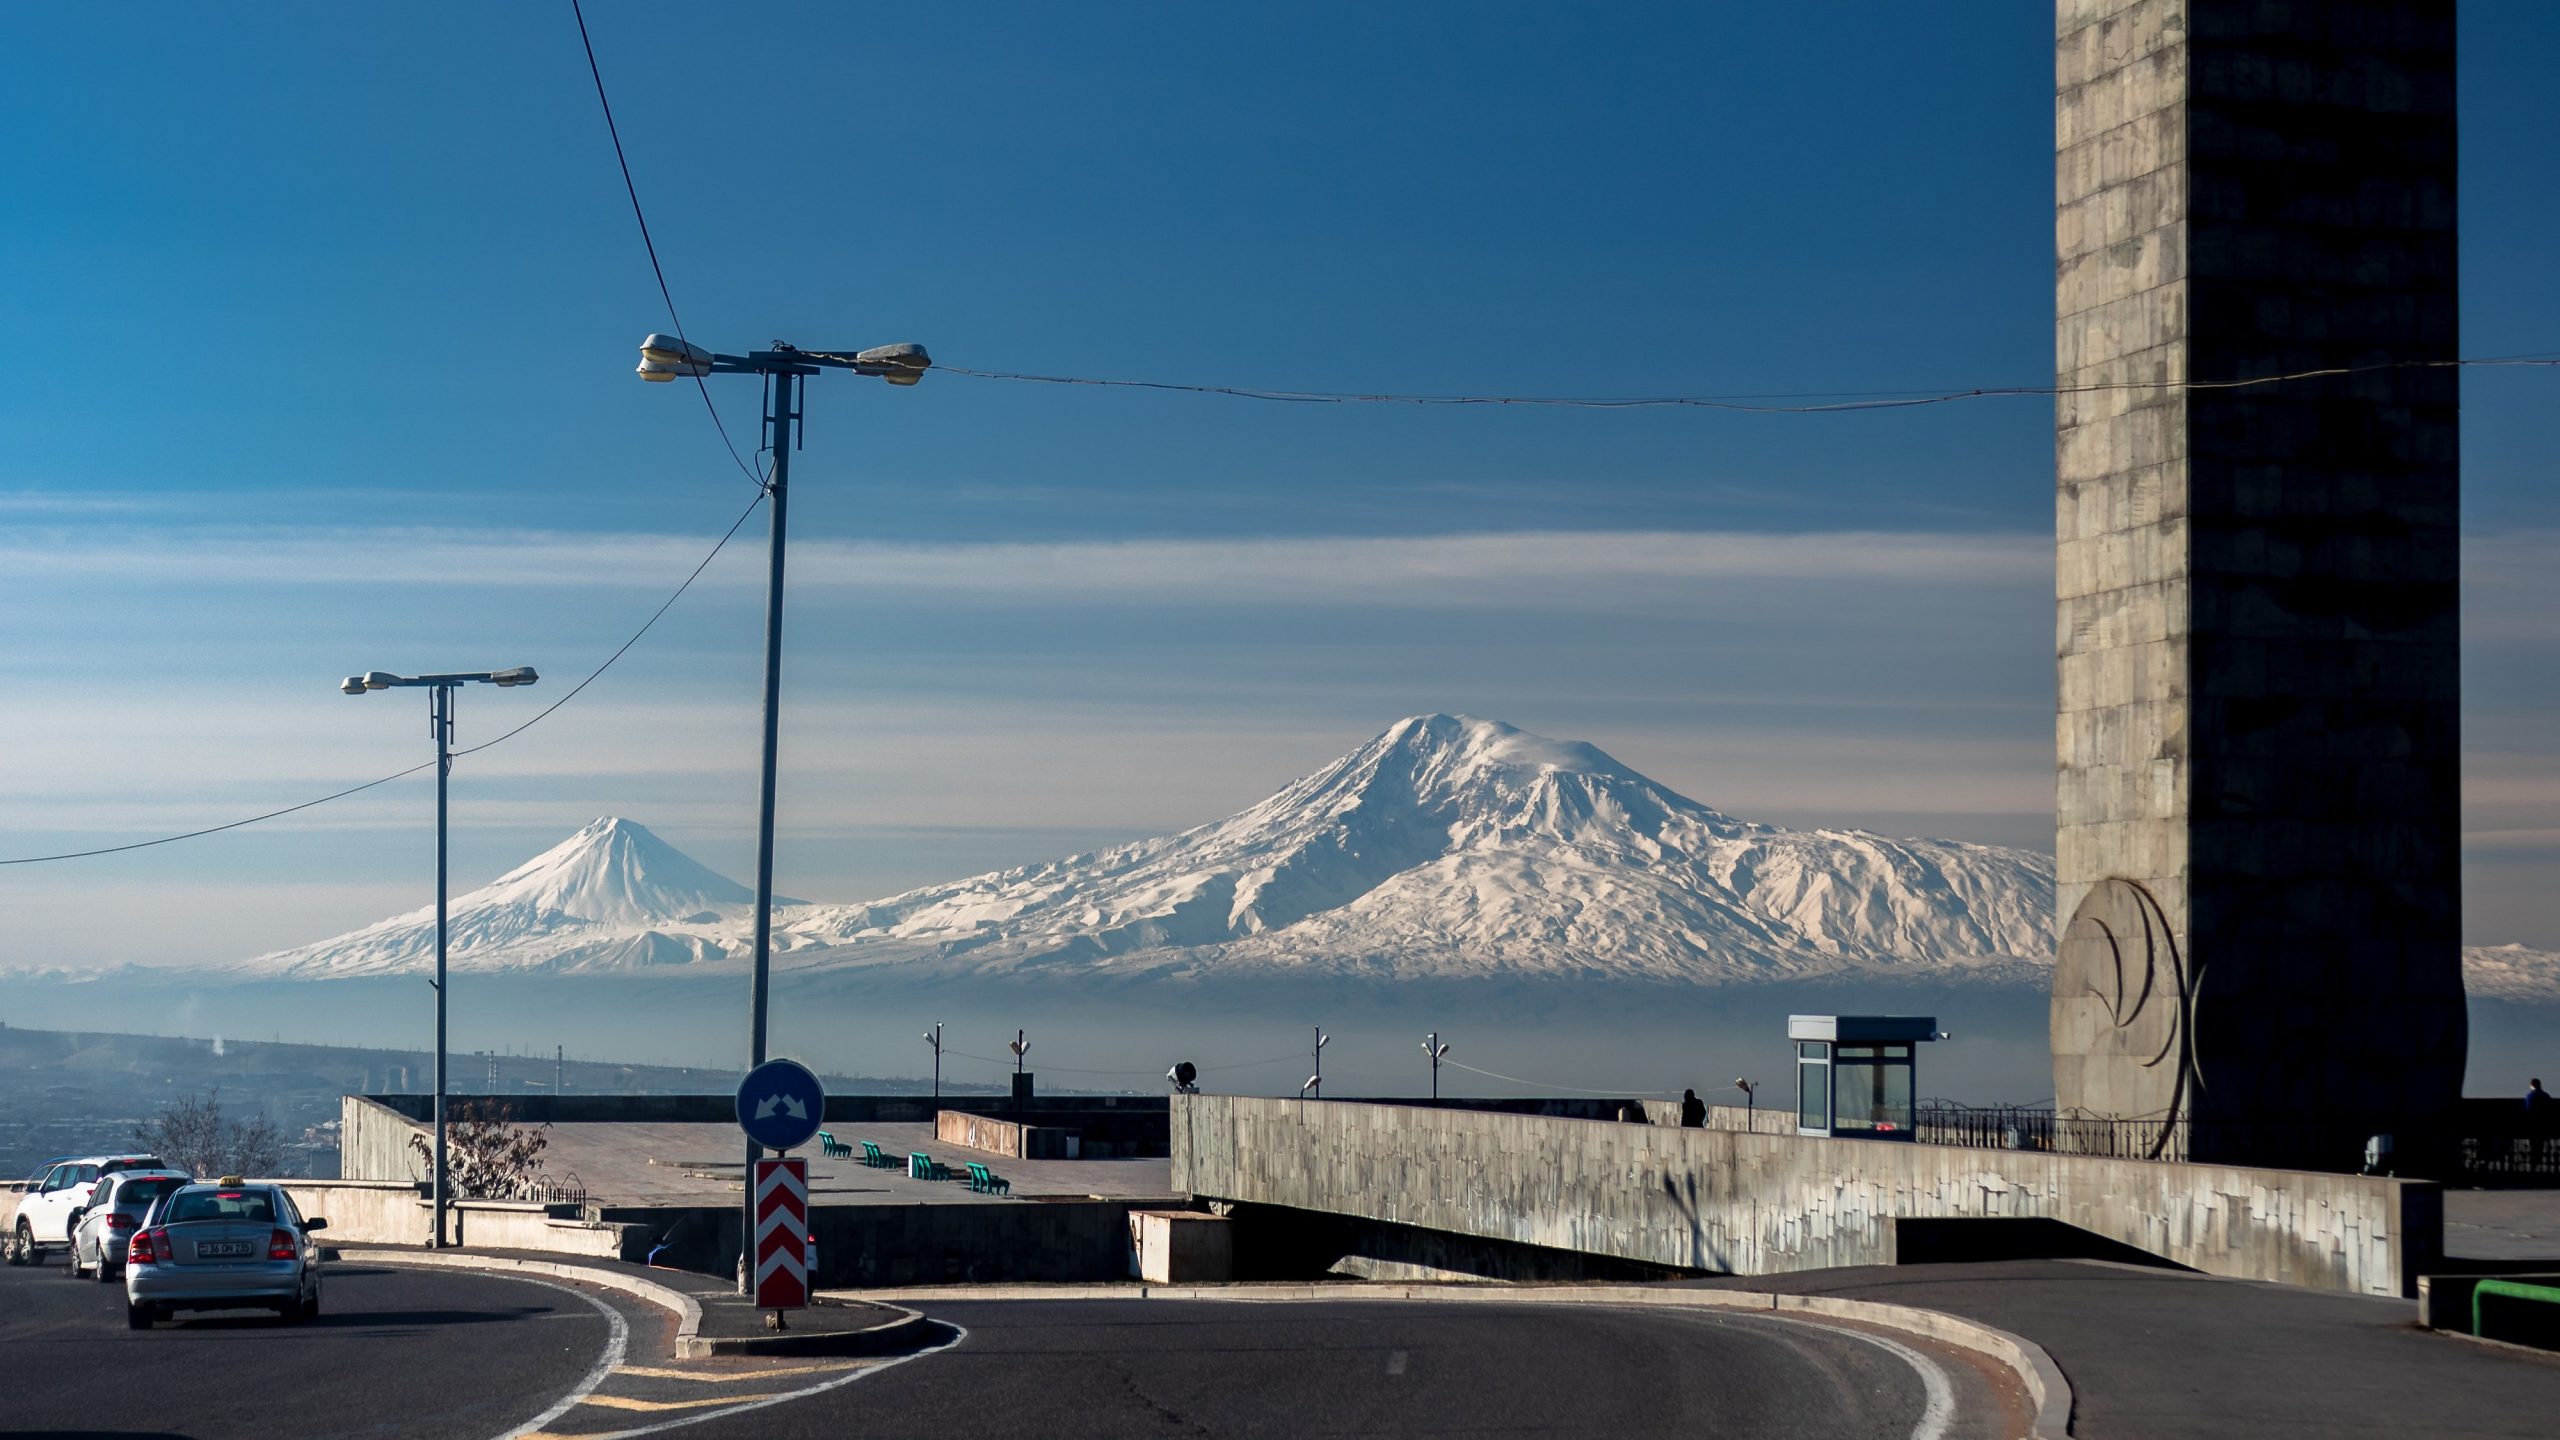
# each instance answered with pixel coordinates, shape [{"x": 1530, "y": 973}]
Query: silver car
[
  {"x": 116, "y": 1209},
  {"x": 227, "y": 1245}
]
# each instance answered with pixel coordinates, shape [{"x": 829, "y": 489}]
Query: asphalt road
[
  {"x": 402, "y": 1352},
  {"x": 395, "y": 1353},
  {"x": 1148, "y": 1368}
]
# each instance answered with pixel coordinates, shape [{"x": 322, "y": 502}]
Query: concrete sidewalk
[{"x": 2157, "y": 1353}]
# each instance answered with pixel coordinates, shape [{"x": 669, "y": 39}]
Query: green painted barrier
[{"x": 2511, "y": 1289}]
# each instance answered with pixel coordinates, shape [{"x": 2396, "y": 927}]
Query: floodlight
[
  {"x": 353, "y": 684},
  {"x": 379, "y": 679},
  {"x": 520, "y": 675}
]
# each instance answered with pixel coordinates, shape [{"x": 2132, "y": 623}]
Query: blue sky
[{"x": 325, "y": 318}]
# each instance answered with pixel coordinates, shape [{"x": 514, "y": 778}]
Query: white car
[
  {"x": 115, "y": 1212},
  {"x": 50, "y": 1210}
]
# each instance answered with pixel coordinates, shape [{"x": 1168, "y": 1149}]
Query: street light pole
[
  {"x": 440, "y": 711},
  {"x": 665, "y": 358},
  {"x": 440, "y": 716},
  {"x": 781, "y": 417}
]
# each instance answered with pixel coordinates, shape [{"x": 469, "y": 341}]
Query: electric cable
[
  {"x": 1744, "y": 404},
  {"x": 426, "y": 764},
  {"x": 1543, "y": 1085},
  {"x": 651, "y": 245}
]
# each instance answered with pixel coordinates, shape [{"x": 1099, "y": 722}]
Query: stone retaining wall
[{"x": 1750, "y": 1204}]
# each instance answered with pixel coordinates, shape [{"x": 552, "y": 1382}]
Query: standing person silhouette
[{"x": 1693, "y": 1111}]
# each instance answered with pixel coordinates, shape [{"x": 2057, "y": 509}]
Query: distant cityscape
[{"x": 65, "y": 1092}]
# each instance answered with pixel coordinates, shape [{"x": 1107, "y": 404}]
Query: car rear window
[
  {"x": 222, "y": 1205},
  {"x": 138, "y": 1193},
  {"x": 138, "y": 1162}
]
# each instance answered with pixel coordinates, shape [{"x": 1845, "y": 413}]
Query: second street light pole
[
  {"x": 440, "y": 690},
  {"x": 440, "y": 715}
]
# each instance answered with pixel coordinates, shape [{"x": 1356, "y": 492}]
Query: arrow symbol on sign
[{"x": 773, "y": 1105}]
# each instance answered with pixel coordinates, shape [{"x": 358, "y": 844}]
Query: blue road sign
[{"x": 781, "y": 1105}]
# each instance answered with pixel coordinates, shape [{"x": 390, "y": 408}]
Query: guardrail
[{"x": 2547, "y": 1331}]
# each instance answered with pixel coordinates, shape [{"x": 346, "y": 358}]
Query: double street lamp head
[
  {"x": 385, "y": 680},
  {"x": 664, "y": 358}
]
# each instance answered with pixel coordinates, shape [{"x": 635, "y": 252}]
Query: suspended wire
[
  {"x": 1741, "y": 404},
  {"x": 651, "y": 245},
  {"x": 538, "y": 717},
  {"x": 218, "y": 829},
  {"x": 663, "y": 607},
  {"x": 1091, "y": 1070},
  {"x": 1543, "y": 1085}
]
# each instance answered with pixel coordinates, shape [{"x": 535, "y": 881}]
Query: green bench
[
  {"x": 830, "y": 1146},
  {"x": 2548, "y": 1295},
  {"x": 872, "y": 1157},
  {"x": 921, "y": 1166},
  {"x": 987, "y": 1182}
]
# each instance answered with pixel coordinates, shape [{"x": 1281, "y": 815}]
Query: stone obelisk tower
[{"x": 2258, "y": 728}]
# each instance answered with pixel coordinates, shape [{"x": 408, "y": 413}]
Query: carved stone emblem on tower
[{"x": 2124, "y": 1016}]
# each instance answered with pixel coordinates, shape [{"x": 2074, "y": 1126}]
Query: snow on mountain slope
[
  {"x": 611, "y": 897},
  {"x": 1453, "y": 847}
]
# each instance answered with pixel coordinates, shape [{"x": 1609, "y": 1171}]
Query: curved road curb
[
  {"x": 2045, "y": 1386},
  {"x": 896, "y": 1333}
]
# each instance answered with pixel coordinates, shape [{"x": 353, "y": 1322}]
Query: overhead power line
[
  {"x": 1543, "y": 1085},
  {"x": 1806, "y": 403},
  {"x": 537, "y": 719},
  {"x": 650, "y": 245}
]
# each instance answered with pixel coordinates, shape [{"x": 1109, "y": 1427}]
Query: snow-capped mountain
[
  {"x": 611, "y": 897},
  {"x": 1447, "y": 848},
  {"x": 1451, "y": 847}
]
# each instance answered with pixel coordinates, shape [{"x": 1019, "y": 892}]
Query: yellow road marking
[
  {"x": 653, "y": 1372},
  {"x": 624, "y": 1402}
]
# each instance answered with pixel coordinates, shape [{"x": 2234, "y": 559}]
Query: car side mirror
[{"x": 316, "y": 1222}]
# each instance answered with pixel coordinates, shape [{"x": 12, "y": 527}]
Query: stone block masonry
[
  {"x": 1754, "y": 1204},
  {"x": 2256, "y": 654}
]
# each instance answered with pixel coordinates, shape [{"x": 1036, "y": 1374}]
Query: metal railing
[{"x": 2486, "y": 1159}]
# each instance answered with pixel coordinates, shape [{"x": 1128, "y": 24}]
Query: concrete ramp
[{"x": 1755, "y": 1204}]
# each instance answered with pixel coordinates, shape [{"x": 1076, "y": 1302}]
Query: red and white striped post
[{"x": 782, "y": 1234}]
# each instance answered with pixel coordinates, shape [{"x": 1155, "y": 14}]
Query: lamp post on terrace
[
  {"x": 665, "y": 358},
  {"x": 439, "y": 690}
]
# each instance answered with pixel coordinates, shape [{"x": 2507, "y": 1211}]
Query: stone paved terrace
[
  {"x": 681, "y": 1164},
  {"x": 2501, "y": 1229}
]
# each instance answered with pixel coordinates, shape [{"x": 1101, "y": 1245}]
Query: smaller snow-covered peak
[
  {"x": 616, "y": 872},
  {"x": 612, "y": 896}
]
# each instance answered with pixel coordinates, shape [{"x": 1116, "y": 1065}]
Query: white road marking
[
  {"x": 1395, "y": 1362},
  {"x": 617, "y": 1340},
  {"x": 958, "y": 1335}
]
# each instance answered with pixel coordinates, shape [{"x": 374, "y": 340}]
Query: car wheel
[
  {"x": 105, "y": 1275},
  {"x": 137, "y": 1317},
  {"x": 23, "y": 1251},
  {"x": 310, "y": 1306},
  {"x": 71, "y": 1262}
]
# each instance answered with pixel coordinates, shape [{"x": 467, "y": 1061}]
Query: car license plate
[{"x": 222, "y": 1249}]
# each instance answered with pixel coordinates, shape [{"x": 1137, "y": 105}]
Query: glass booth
[{"x": 1854, "y": 1073}]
